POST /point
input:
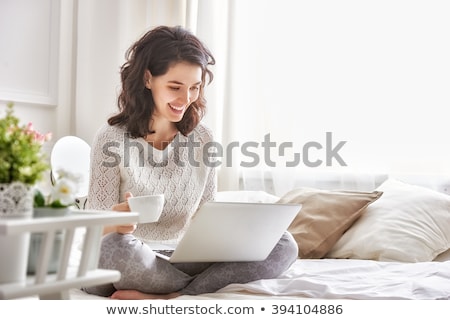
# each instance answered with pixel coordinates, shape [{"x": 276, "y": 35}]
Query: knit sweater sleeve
[
  {"x": 209, "y": 193},
  {"x": 104, "y": 182}
]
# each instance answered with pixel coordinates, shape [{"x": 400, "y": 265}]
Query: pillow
[
  {"x": 444, "y": 256},
  {"x": 408, "y": 224},
  {"x": 325, "y": 215}
]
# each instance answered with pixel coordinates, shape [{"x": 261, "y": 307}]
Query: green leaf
[
  {"x": 57, "y": 204},
  {"x": 39, "y": 199}
]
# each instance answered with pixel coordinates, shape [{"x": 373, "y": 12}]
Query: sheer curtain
[
  {"x": 356, "y": 89},
  {"x": 325, "y": 93}
]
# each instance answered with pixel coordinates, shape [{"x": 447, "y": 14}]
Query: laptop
[{"x": 231, "y": 231}]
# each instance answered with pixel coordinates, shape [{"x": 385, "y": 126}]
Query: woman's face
[{"x": 174, "y": 91}]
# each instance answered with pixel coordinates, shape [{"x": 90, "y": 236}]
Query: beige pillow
[{"x": 324, "y": 217}]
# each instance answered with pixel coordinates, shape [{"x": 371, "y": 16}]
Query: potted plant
[{"x": 22, "y": 164}]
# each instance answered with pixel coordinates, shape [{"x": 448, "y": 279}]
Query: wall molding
[{"x": 29, "y": 56}]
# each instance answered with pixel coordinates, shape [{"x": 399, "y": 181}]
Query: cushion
[
  {"x": 409, "y": 223},
  {"x": 325, "y": 215}
]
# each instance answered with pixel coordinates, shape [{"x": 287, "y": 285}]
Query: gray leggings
[{"x": 141, "y": 270}]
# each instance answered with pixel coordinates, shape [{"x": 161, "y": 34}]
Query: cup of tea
[{"x": 149, "y": 207}]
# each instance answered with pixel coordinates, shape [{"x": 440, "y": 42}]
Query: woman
[{"x": 154, "y": 144}]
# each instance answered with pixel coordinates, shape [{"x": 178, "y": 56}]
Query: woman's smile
[{"x": 177, "y": 110}]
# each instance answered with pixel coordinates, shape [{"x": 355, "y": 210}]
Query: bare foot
[{"x": 137, "y": 295}]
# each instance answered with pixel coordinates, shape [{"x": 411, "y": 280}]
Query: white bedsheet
[
  {"x": 347, "y": 279},
  {"x": 341, "y": 279}
]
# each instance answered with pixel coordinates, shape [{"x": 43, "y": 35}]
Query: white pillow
[{"x": 408, "y": 223}]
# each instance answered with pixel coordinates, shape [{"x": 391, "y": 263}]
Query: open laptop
[{"x": 231, "y": 231}]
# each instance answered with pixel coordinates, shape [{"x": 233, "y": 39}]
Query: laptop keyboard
[{"x": 167, "y": 253}]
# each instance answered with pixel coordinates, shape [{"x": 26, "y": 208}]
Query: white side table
[{"x": 57, "y": 286}]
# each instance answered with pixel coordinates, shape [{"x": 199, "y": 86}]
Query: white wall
[
  {"x": 29, "y": 32},
  {"x": 60, "y": 60}
]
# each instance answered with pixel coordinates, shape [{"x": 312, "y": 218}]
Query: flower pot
[
  {"x": 36, "y": 240},
  {"x": 16, "y": 202}
]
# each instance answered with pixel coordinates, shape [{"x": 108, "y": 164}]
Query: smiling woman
[
  {"x": 289, "y": 74},
  {"x": 161, "y": 105}
]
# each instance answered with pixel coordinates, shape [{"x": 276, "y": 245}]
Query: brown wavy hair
[{"x": 156, "y": 51}]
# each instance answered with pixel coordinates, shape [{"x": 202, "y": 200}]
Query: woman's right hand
[{"x": 123, "y": 229}]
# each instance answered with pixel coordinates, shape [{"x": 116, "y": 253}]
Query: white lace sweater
[{"x": 120, "y": 164}]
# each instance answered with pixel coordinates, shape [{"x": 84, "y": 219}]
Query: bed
[{"x": 388, "y": 243}]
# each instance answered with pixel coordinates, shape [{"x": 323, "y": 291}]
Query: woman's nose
[{"x": 184, "y": 97}]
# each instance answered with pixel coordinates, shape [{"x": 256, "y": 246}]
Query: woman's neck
[{"x": 161, "y": 134}]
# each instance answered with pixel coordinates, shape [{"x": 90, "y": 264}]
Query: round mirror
[{"x": 72, "y": 154}]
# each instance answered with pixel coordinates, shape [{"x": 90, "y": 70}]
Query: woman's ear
[{"x": 148, "y": 79}]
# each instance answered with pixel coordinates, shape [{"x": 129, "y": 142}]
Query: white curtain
[
  {"x": 360, "y": 83},
  {"x": 371, "y": 77}
]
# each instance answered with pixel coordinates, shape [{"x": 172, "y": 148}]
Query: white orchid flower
[{"x": 64, "y": 191}]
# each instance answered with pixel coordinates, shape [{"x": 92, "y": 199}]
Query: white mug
[{"x": 149, "y": 207}]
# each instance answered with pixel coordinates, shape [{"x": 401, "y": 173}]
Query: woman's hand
[
  {"x": 123, "y": 229},
  {"x": 123, "y": 206}
]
